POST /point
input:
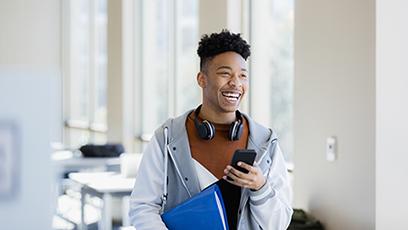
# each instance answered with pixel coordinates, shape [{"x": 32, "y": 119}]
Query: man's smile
[{"x": 231, "y": 95}]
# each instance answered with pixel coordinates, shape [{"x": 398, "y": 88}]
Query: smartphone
[{"x": 244, "y": 155}]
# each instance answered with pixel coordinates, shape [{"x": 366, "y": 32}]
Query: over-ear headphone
[{"x": 206, "y": 130}]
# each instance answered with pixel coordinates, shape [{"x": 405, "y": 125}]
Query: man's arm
[
  {"x": 271, "y": 204},
  {"x": 269, "y": 194},
  {"x": 145, "y": 201}
]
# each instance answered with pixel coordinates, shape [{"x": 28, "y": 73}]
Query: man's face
[{"x": 224, "y": 82}]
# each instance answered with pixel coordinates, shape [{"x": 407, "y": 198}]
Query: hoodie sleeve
[
  {"x": 145, "y": 200},
  {"x": 271, "y": 205}
]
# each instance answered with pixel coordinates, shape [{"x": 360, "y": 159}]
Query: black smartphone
[{"x": 244, "y": 155}]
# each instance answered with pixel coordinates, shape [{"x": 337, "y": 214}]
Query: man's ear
[{"x": 202, "y": 79}]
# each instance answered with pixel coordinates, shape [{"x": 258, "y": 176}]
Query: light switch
[{"x": 331, "y": 149}]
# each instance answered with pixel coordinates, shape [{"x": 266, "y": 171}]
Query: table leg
[
  {"x": 106, "y": 219},
  {"x": 125, "y": 211},
  {"x": 82, "y": 224}
]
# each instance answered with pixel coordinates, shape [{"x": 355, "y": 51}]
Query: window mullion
[
  {"x": 93, "y": 70},
  {"x": 172, "y": 58}
]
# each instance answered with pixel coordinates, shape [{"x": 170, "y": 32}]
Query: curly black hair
[{"x": 216, "y": 43}]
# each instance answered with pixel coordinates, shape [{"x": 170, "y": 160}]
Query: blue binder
[{"x": 205, "y": 210}]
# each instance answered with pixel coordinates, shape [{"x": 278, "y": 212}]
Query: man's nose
[{"x": 235, "y": 80}]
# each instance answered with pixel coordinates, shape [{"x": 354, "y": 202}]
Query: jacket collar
[
  {"x": 259, "y": 139},
  {"x": 259, "y": 136}
]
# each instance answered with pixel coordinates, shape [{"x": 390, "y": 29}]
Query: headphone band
[
  {"x": 237, "y": 113},
  {"x": 206, "y": 129}
]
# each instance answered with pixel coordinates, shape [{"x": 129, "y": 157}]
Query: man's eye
[{"x": 244, "y": 76}]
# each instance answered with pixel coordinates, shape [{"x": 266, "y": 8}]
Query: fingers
[
  {"x": 248, "y": 167},
  {"x": 234, "y": 182},
  {"x": 245, "y": 180},
  {"x": 238, "y": 181},
  {"x": 237, "y": 173}
]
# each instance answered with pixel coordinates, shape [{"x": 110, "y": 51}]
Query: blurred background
[{"x": 328, "y": 76}]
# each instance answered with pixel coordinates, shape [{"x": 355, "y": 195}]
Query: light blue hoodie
[{"x": 268, "y": 208}]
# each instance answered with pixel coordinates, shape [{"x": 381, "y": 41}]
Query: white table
[
  {"x": 104, "y": 185},
  {"x": 66, "y": 161}
]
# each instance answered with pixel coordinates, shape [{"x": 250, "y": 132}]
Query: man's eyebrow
[
  {"x": 229, "y": 68},
  {"x": 224, "y": 67}
]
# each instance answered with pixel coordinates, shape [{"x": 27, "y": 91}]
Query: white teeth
[
  {"x": 232, "y": 98},
  {"x": 234, "y": 95}
]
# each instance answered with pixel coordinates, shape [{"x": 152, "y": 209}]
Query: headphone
[{"x": 206, "y": 130}]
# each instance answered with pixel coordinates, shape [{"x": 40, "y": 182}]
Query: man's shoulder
[
  {"x": 260, "y": 136},
  {"x": 175, "y": 125},
  {"x": 257, "y": 128},
  {"x": 176, "y": 122}
]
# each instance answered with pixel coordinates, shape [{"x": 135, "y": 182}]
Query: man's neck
[{"x": 216, "y": 117}]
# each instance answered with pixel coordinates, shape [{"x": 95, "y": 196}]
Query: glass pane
[
  {"x": 79, "y": 60},
  {"x": 272, "y": 67},
  {"x": 77, "y": 137},
  {"x": 101, "y": 63},
  {"x": 99, "y": 138},
  {"x": 187, "y": 89},
  {"x": 155, "y": 64}
]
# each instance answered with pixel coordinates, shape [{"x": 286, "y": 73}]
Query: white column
[
  {"x": 30, "y": 111},
  {"x": 215, "y": 15},
  {"x": 120, "y": 71},
  {"x": 391, "y": 114}
]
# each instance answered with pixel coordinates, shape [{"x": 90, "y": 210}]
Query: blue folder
[{"x": 205, "y": 210}]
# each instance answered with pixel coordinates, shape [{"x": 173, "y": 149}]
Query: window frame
[
  {"x": 141, "y": 137},
  {"x": 89, "y": 127}
]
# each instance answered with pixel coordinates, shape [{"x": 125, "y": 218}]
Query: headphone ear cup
[
  {"x": 235, "y": 131},
  {"x": 240, "y": 130},
  {"x": 205, "y": 129},
  {"x": 208, "y": 130}
]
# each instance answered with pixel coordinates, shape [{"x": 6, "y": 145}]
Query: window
[
  {"x": 168, "y": 61},
  {"x": 165, "y": 67},
  {"x": 84, "y": 70},
  {"x": 156, "y": 63},
  {"x": 271, "y": 31},
  {"x": 187, "y": 89}
]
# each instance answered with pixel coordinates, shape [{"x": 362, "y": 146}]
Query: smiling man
[{"x": 199, "y": 146}]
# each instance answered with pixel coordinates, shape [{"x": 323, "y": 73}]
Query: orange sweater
[{"x": 217, "y": 153}]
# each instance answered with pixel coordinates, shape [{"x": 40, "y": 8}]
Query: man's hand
[{"x": 254, "y": 179}]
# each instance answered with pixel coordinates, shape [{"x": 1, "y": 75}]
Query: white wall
[
  {"x": 29, "y": 35},
  {"x": 221, "y": 14},
  {"x": 30, "y": 96},
  {"x": 392, "y": 115},
  {"x": 334, "y": 94}
]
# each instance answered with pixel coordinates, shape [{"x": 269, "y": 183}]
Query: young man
[{"x": 201, "y": 144}]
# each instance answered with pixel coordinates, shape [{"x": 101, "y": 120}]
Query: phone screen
[{"x": 244, "y": 155}]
